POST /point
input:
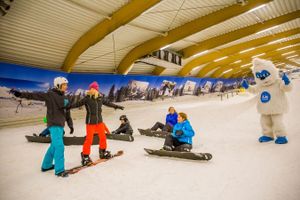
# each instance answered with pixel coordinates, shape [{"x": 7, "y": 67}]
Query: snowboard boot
[
  {"x": 63, "y": 174},
  {"x": 167, "y": 148},
  {"x": 265, "y": 139},
  {"x": 183, "y": 148},
  {"x": 103, "y": 154},
  {"x": 85, "y": 160},
  {"x": 44, "y": 170},
  {"x": 281, "y": 140}
]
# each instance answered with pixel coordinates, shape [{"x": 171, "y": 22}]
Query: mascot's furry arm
[{"x": 285, "y": 84}]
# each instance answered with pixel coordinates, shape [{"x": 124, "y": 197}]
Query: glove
[
  {"x": 113, "y": 132},
  {"x": 286, "y": 79},
  {"x": 71, "y": 130},
  {"x": 245, "y": 84},
  {"x": 15, "y": 92},
  {"x": 119, "y": 107},
  {"x": 179, "y": 132}
]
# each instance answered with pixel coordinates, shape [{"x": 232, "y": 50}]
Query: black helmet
[{"x": 123, "y": 117}]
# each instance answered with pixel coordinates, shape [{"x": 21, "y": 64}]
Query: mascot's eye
[
  {"x": 265, "y": 73},
  {"x": 257, "y": 74}
]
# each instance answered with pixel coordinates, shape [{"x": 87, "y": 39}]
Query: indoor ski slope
[{"x": 241, "y": 167}]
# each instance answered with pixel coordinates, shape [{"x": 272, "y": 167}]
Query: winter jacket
[
  {"x": 272, "y": 98},
  {"x": 93, "y": 108},
  {"x": 126, "y": 127},
  {"x": 188, "y": 132},
  {"x": 56, "y": 103},
  {"x": 171, "y": 119}
]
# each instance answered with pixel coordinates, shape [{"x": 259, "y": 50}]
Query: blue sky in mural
[{"x": 30, "y": 78}]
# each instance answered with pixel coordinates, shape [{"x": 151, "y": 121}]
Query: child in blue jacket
[
  {"x": 171, "y": 120},
  {"x": 181, "y": 137}
]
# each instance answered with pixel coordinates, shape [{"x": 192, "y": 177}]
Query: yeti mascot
[{"x": 272, "y": 102}]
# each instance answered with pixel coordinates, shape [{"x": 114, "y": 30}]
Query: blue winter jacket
[
  {"x": 188, "y": 132},
  {"x": 171, "y": 119}
]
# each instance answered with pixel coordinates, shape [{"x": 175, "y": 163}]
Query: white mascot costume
[{"x": 272, "y": 102}]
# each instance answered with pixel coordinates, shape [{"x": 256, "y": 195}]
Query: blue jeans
[{"x": 55, "y": 150}]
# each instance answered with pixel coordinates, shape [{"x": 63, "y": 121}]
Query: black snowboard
[
  {"x": 147, "y": 132},
  {"x": 73, "y": 140},
  {"x": 178, "y": 154}
]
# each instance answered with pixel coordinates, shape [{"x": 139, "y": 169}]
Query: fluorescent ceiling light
[
  {"x": 165, "y": 47},
  {"x": 238, "y": 61},
  {"x": 284, "y": 54},
  {"x": 284, "y": 48},
  {"x": 256, "y": 8},
  {"x": 268, "y": 29},
  {"x": 292, "y": 56},
  {"x": 245, "y": 65},
  {"x": 227, "y": 71},
  {"x": 258, "y": 55},
  {"x": 246, "y": 50},
  {"x": 220, "y": 58},
  {"x": 275, "y": 41},
  {"x": 200, "y": 53}
]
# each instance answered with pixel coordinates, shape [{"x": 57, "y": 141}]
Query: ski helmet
[
  {"x": 59, "y": 80},
  {"x": 123, "y": 117}
]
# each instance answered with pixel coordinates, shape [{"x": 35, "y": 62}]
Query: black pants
[
  {"x": 176, "y": 144},
  {"x": 129, "y": 132},
  {"x": 163, "y": 127}
]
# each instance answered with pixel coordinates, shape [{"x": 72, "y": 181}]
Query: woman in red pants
[{"x": 94, "y": 123}]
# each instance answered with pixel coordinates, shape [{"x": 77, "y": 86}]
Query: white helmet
[{"x": 59, "y": 80}]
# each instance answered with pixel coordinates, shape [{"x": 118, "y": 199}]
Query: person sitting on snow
[
  {"x": 56, "y": 103},
  {"x": 272, "y": 102},
  {"x": 181, "y": 136},
  {"x": 171, "y": 120},
  {"x": 125, "y": 126}
]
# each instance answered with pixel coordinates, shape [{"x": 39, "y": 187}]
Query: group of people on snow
[{"x": 271, "y": 105}]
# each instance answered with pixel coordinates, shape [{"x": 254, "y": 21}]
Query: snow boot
[
  {"x": 281, "y": 140},
  {"x": 103, "y": 154},
  {"x": 265, "y": 139},
  {"x": 167, "y": 148},
  {"x": 85, "y": 160},
  {"x": 63, "y": 174},
  {"x": 44, "y": 170}
]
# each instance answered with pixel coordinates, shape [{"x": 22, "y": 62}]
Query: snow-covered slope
[{"x": 240, "y": 169}]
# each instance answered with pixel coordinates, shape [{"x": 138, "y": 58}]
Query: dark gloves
[
  {"x": 179, "y": 132},
  {"x": 114, "y": 132},
  {"x": 119, "y": 107},
  {"x": 15, "y": 92},
  {"x": 71, "y": 130}
]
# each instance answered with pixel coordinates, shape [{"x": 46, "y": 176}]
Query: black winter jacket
[
  {"x": 93, "y": 108},
  {"x": 57, "y": 114},
  {"x": 125, "y": 128}
]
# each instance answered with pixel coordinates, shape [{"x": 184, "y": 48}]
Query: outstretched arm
[
  {"x": 286, "y": 84},
  {"x": 108, "y": 103},
  {"x": 78, "y": 103},
  {"x": 39, "y": 96}
]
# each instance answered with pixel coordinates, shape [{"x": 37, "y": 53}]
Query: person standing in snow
[
  {"x": 125, "y": 126},
  {"x": 56, "y": 103},
  {"x": 272, "y": 102},
  {"x": 171, "y": 120},
  {"x": 181, "y": 136},
  {"x": 94, "y": 123}
]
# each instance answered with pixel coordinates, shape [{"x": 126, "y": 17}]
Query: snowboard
[
  {"x": 179, "y": 154},
  {"x": 76, "y": 169},
  {"x": 73, "y": 140},
  {"x": 147, "y": 132}
]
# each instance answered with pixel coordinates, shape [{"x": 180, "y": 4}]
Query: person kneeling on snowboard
[
  {"x": 181, "y": 137},
  {"x": 56, "y": 103},
  {"x": 94, "y": 123},
  {"x": 125, "y": 126},
  {"x": 171, "y": 120}
]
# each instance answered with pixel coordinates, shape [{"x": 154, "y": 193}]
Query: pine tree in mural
[{"x": 111, "y": 95}]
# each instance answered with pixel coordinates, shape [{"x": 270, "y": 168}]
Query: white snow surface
[{"x": 241, "y": 167}]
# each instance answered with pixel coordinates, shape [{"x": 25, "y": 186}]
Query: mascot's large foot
[
  {"x": 281, "y": 140},
  {"x": 265, "y": 139}
]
